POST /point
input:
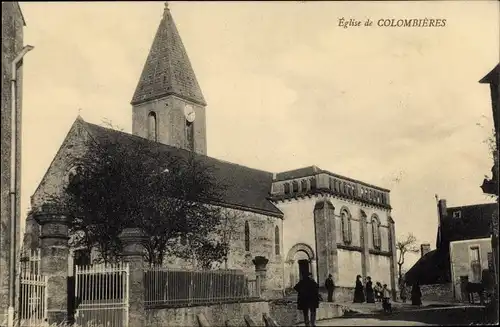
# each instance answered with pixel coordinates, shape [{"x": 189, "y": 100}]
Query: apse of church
[{"x": 345, "y": 228}]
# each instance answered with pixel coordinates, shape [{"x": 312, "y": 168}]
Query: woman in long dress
[
  {"x": 370, "y": 296},
  {"x": 359, "y": 295},
  {"x": 416, "y": 295}
]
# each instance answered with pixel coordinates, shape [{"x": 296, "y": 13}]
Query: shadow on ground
[{"x": 433, "y": 314}]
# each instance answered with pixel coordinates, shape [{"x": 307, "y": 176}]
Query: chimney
[
  {"x": 424, "y": 249},
  {"x": 442, "y": 208}
]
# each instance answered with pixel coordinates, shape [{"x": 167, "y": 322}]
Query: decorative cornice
[
  {"x": 56, "y": 236},
  {"x": 43, "y": 218},
  {"x": 132, "y": 236},
  {"x": 327, "y": 191}
]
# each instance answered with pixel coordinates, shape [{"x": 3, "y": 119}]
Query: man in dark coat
[
  {"x": 308, "y": 299},
  {"x": 330, "y": 287}
]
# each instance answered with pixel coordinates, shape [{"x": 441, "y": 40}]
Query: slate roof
[
  {"x": 247, "y": 188},
  {"x": 167, "y": 69},
  {"x": 432, "y": 268},
  {"x": 474, "y": 223}
]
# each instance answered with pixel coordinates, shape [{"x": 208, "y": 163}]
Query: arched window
[
  {"x": 276, "y": 240},
  {"x": 295, "y": 186},
  {"x": 377, "y": 242},
  {"x": 346, "y": 226},
  {"x": 152, "y": 132},
  {"x": 247, "y": 236}
]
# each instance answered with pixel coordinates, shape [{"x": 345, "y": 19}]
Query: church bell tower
[{"x": 168, "y": 105}]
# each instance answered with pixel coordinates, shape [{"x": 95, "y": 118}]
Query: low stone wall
[
  {"x": 436, "y": 292},
  {"x": 216, "y": 315},
  {"x": 283, "y": 312},
  {"x": 341, "y": 294}
]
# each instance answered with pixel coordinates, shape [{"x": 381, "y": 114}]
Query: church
[{"x": 303, "y": 220}]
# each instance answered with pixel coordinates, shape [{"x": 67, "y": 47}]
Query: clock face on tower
[{"x": 189, "y": 113}]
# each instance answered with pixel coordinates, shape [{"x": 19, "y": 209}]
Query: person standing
[
  {"x": 359, "y": 295},
  {"x": 416, "y": 295},
  {"x": 330, "y": 287},
  {"x": 370, "y": 296},
  {"x": 403, "y": 291},
  {"x": 308, "y": 299},
  {"x": 386, "y": 299},
  {"x": 378, "y": 291}
]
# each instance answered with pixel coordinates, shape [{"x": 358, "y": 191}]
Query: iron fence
[
  {"x": 102, "y": 295},
  {"x": 32, "y": 300},
  {"x": 170, "y": 287}
]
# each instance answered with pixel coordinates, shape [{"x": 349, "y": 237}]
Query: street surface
[{"x": 407, "y": 315}]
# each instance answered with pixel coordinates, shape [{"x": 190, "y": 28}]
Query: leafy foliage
[
  {"x": 404, "y": 245},
  {"x": 136, "y": 184}
]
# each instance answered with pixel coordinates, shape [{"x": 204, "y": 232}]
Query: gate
[
  {"x": 101, "y": 295},
  {"x": 32, "y": 300}
]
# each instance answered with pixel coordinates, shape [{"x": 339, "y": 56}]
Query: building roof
[
  {"x": 473, "y": 222},
  {"x": 313, "y": 170},
  {"x": 492, "y": 77},
  {"x": 167, "y": 70},
  {"x": 432, "y": 268},
  {"x": 247, "y": 189},
  {"x": 20, "y": 12}
]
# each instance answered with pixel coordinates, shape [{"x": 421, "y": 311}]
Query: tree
[
  {"x": 407, "y": 244},
  {"x": 137, "y": 184}
]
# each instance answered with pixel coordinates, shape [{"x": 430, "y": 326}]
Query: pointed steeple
[{"x": 167, "y": 70}]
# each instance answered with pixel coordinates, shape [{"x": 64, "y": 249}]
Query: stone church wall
[
  {"x": 349, "y": 267},
  {"x": 380, "y": 268},
  {"x": 298, "y": 228},
  {"x": 262, "y": 243},
  {"x": 56, "y": 177},
  {"x": 298, "y": 224}
]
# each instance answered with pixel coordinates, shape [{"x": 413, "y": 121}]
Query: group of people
[
  {"x": 309, "y": 296},
  {"x": 370, "y": 293}
]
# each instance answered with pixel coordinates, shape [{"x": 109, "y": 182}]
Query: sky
[{"x": 286, "y": 87}]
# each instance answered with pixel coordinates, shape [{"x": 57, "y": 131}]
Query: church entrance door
[{"x": 303, "y": 268}]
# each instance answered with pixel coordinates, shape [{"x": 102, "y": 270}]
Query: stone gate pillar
[
  {"x": 261, "y": 274},
  {"x": 54, "y": 260},
  {"x": 133, "y": 253}
]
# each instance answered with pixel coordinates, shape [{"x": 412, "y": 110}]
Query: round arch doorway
[{"x": 301, "y": 262}]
